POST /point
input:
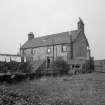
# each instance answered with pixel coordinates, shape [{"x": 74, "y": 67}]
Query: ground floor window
[{"x": 76, "y": 66}]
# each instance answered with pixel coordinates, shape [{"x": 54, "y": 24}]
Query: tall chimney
[
  {"x": 81, "y": 25},
  {"x": 30, "y": 36}
]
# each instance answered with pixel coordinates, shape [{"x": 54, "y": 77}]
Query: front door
[{"x": 49, "y": 60}]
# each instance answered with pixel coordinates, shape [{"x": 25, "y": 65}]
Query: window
[
  {"x": 64, "y": 48},
  {"x": 31, "y": 50},
  {"x": 34, "y": 50},
  {"x": 48, "y": 50}
]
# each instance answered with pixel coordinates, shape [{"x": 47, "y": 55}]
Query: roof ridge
[
  {"x": 57, "y": 38},
  {"x": 55, "y": 34},
  {"x": 50, "y": 34}
]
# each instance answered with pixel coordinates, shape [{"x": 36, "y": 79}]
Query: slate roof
[{"x": 58, "y": 38}]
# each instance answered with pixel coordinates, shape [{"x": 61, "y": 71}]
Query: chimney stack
[
  {"x": 81, "y": 25},
  {"x": 30, "y": 36}
]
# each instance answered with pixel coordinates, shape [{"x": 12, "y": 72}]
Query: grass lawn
[{"x": 84, "y": 89}]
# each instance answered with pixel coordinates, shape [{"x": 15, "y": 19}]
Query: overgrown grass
[{"x": 87, "y": 89}]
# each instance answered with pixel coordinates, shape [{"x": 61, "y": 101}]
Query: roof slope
[{"x": 53, "y": 39}]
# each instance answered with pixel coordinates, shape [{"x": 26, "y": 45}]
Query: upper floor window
[
  {"x": 31, "y": 50},
  {"x": 48, "y": 50},
  {"x": 64, "y": 48},
  {"x": 34, "y": 50}
]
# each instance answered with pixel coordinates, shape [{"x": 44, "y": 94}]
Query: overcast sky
[{"x": 44, "y": 17}]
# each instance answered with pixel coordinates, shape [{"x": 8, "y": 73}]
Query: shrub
[
  {"x": 3, "y": 67},
  {"x": 25, "y": 67},
  {"x": 60, "y": 66}
]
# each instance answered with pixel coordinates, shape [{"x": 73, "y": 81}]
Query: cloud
[{"x": 18, "y": 17}]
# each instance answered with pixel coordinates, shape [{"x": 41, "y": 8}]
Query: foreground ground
[{"x": 84, "y": 89}]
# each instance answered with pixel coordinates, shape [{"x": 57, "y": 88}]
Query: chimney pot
[{"x": 30, "y": 36}]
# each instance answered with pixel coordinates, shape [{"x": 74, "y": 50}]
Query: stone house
[{"x": 72, "y": 46}]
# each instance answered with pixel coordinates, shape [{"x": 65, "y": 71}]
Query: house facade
[{"x": 72, "y": 46}]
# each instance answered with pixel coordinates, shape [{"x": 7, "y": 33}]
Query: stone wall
[
  {"x": 79, "y": 51},
  {"x": 42, "y": 52},
  {"x": 80, "y": 48}
]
